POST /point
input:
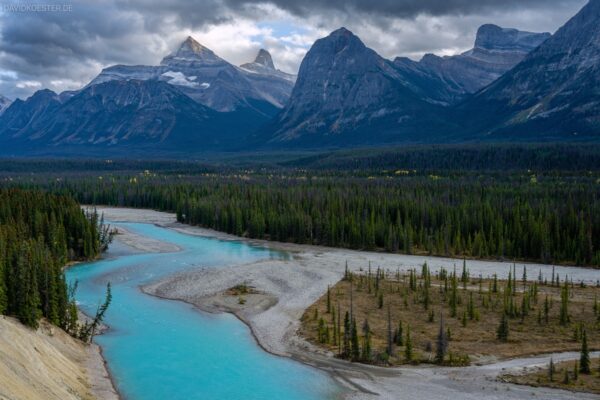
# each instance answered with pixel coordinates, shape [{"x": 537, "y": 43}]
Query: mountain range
[
  {"x": 512, "y": 85},
  {"x": 4, "y": 103},
  {"x": 193, "y": 100},
  {"x": 553, "y": 94}
]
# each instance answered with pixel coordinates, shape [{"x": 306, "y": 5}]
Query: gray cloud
[
  {"x": 404, "y": 8},
  {"x": 64, "y": 50}
]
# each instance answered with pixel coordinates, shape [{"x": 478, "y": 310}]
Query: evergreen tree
[
  {"x": 471, "y": 307},
  {"x": 354, "y": 342},
  {"x": 346, "y": 350},
  {"x": 441, "y": 343},
  {"x": 584, "y": 359},
  {"x": 564, "y": 305},
  {"x": 408, "y": 350},
  {"x": 366, "y": 348},
  {"x": 390, "y": 337},
  {"x": 399, "y": 336},
  {"x": 503, "y": 329}
]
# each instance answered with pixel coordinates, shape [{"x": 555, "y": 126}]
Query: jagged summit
[
  {"x": 494, "y": 37},
  {"x": 553, "y": 93},
  {"x": 343, "y": 31},
  {"x": 344, "y": 36},
  {"x": 4, "y": 103},
  {"x": 191, "y": 50},
  {"x": 191, "y": 44},
  {"x": 264, "y": 58},
  {"x": 496, "y": 51},
  {"x": 263, "y": 65}
]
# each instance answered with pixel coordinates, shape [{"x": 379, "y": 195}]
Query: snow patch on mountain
[{"x": 179, "y": 79}]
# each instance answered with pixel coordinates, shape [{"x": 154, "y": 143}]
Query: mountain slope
[
  {"x": 275, "y": 85},
  {"x": 26, "y": 116},
  {"x": 210, "y": 80},
  {"x": 496, "y": 51},
  {"x": 347, "y": 94},
  {"x": 127, "y": 116},
  {"x": 4, "y": 104},
  {"x": 554, "y": 93}
]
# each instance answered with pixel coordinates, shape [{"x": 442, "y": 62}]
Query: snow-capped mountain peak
[
  {"x": 192, "y": 51},
  {"x": 264, "y": 58}
]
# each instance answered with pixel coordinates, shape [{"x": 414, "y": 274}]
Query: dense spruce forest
[
  {"x": 453, "y": 207},
  {"x": 39, "y": 234}
]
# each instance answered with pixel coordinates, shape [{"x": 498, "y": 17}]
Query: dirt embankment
[{"x": 48, "y": 364}]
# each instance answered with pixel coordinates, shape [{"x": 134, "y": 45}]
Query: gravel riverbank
[{"x": 286, "y": 287}]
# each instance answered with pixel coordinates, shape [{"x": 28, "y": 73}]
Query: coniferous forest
[
  {"x": 39, "y": 234},
  {"x": 397, "y": 202}
]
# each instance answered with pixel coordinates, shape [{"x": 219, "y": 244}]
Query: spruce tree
[
  {"x": 441, "y": 343},
  {"x": 354, "y": 342},
  {"x": 564, "y": 305},
  {"x": 346, "y": 353},
  {"x": 366, "y": 348},
  {"x": 503, "y": 329},
  {"x": 390, "y": 338},
  {"x": 584, "y": 359},
  {"x": 408, "y": 350},
  {"x": 399, "y": 337},
  {"x": 471, "y": 307},
  {"x": 453, "y": 296}
]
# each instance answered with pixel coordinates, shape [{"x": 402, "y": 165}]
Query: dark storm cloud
[
  {"x": 64, "y": 50},
  {"x": 401, "y": 8}
]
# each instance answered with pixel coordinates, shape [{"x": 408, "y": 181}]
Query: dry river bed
[{"x": 287, "y": 287}]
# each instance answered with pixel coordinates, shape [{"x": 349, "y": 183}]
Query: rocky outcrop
[
  {"x": 274, "y": 84},
  {"x": 4, "y": 103},
  {"x": 210, "y": 80},
  {"x": 554, "y": 93},
  {"x": 193, "y": 101},
  {"x": 347, "y": 93},
  {"x": 496, "y": 51},
  {"x": 128, "y": 115}
]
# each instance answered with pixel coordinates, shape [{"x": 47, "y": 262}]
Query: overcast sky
[{"x": 64, "y": 46}]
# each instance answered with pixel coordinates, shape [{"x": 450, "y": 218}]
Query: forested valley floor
[{"x": 533, "y": 203}]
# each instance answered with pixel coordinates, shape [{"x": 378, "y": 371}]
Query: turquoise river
[{"x": 162, "y": 349}]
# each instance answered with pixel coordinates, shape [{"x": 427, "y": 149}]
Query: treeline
[
  {"x": 39, "y": 234},
  {"x": 476, "y": 157},
  {"x": 540, "y": 158},
  {"x": 551, "y": 219}
]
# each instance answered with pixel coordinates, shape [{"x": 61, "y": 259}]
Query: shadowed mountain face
[
  {"x": 193, "y": 101},
  {"x": 496, "y": 51},
  {"x": 23, "y": 118},
  {"x": 554, "y": 93},
  {"x": 4, "y": 103},
  {"x": 274, "y": 84},
  {"x": 527, "y": 86},
  {"x": 346, "y": 93},
  {"x": 127, "y": 115},
  {"x": 205, "y": 77}
]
